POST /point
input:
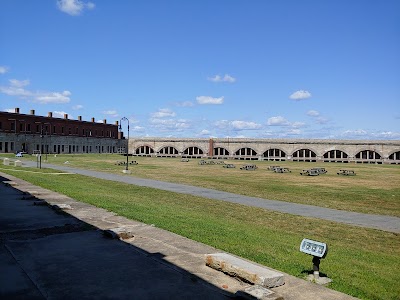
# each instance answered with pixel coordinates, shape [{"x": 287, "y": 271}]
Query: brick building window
[
  {"x": 13, "y": 126},
  {"x": 29, "y": 128},
  {"x": 1, "y": 125},
  {"x": 37, "y": 127}
]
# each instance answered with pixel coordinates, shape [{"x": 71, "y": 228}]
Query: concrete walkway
[
  {"x": 381, "y": 222},
  {"x": 51, "y": 254}
]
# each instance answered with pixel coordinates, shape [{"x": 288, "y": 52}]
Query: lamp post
[
  {"x": 318, "y": 250},
  {"x": 127, "y": 144}
]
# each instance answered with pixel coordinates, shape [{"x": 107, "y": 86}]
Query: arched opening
[
  {"x": 368, "y": 156},
  {"x": 274, "y": 155},
  {"x": 221, "y": 152},
  {"x": 336, "y": 156},
  {"x": 394, "y": 158},
  {"x": 304, "y": 155},
  {"x": 246, "y": 154},
  {"x": 168, "y": 151},
  {"x": 144, "y": 151},
  {"x": 193, "y": 152}
]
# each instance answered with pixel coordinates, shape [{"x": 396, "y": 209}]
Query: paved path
[{"x": 381, "y": 222}]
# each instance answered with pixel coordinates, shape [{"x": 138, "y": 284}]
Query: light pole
[{"x": 127, "y": 144}]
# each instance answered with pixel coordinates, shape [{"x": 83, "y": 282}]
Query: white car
[{"x": 19, "y": 154}]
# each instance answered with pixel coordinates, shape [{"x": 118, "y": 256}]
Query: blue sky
[{"x": 210, "y": 68}]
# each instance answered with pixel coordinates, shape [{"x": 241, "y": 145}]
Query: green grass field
[
  {"x": 375, "y": 189},
  {"x": 362, "y": 262}
]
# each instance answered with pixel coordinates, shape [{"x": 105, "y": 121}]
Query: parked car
[{"x": 19, "y": 154}]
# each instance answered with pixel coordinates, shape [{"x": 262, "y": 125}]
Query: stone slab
[
  {"x": 258, "y": 292},
  {"x": 244, "y": 270}
]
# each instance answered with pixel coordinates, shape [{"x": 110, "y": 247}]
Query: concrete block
[
  {"x": 17, "y": 163},
  {"x": 119, "y": 232},
  {"x": 126, "y": 171},
  {"x": 244, "y": 270},
  {"x": 6, "y": 161},
  {"x": 61, "y": 206},
  {"x": 10, "y": 183}
]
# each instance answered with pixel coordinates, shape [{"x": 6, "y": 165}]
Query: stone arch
[
  {"x": 144, "y": 150},
  {"x": 246, "y": 153},
  {"x": 193, "y": 151},
  {"x": 221, "y": 151},
  {"x": 367, "y": 156},
  {"x": 335, "y": 156},
  {"x": 395, "y": 156},
  {"x": 168, "y": 151},
  {"x": 274, "y": 154},
  {"x": 304, "y": 155}
]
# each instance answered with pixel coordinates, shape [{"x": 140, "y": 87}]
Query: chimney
[
  {"x": 79, "y": 118},
  {"x": 116, "y": 123},
  {"x": 50, "y": 114},
  {"x": 92, "y": 120},
  {"x": 66, "y": 116},
  {"x": 105, "y": 121},
  {"x": 17, "y": 110},
  {"x": 32, "y": 111}
]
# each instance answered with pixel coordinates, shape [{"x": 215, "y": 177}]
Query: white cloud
[
  {"x": 322, "y": 120},
  {"x": 243, "y": 125},
  {"x": 389, "y": 135},
  {"x": 60, "y": 114},
  {"x": 163, "y": 113},
  {"x": 313, "y": 113},
  {"x": 226, "y": 78},
  {"x": 3, "y": 69},
  {"x": 204, "y": 132},
  {"x": 294, "y": 132},
  {"x": 170, "y": 124},
  {"x": 222, "y": 124},
  {"x": 16, "y": 88},
  {"x": 74, "y": 7},
  {"x": 52, "y": 97},
  {"x": 184, "y": 104},
  {"x": 19, "y": 83},
  {"x": 298, "y": 124},
  {"x": 112, "y": 113},
  {"x": 277, "y": 121},
  {"x": 317, "y": 117},
  {"x": 364, "y": 134},
  {"x": 77, "y": 107},
  {"x": 236, "y": 125},
  {"x": 209, "y": 100},
  {"x": 137, "y": 129},
  {"x": 300, "y": 95}
]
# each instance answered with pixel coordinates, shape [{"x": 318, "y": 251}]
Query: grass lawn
[
  {"x": 374, "y": 190},
  {"x": 362, "y": 262}
]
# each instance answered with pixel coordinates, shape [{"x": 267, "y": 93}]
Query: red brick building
[{"x": 31, "y": 133}]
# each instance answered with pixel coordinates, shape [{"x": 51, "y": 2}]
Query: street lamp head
[{"x": 314, "y": 248}]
